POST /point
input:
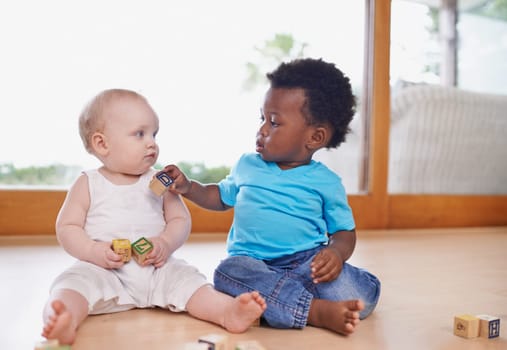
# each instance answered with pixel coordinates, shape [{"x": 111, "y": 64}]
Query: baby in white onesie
[{"x": 114, "y": 201}]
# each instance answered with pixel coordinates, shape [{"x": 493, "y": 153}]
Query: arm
[
  {"x": 70, "y": 229},
  {"x": 175, "y": 233},
  {"x": 204, "y": 195},
  {"x": 328, "y": 263}
]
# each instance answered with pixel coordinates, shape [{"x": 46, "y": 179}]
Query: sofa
[{"x": 445, "y": 140}]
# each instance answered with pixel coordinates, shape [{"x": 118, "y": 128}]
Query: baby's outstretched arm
[{"x": 328, "y": 263}]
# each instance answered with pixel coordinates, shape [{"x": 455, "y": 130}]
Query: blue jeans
[{"x": 286, "y": 285}]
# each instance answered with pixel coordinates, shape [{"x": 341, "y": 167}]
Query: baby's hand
[
  {"x": 181, "y": 184},
  {"x": 103, "y": 255},
  {"x": 159, "y": 254},
  {"x": 326, "y": 265}
]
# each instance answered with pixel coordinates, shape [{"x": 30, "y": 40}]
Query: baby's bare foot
[
  {"x": 338, "y": 316},
  {"x": 59, "y": 325},
  {"x": 243, "y": 311}
]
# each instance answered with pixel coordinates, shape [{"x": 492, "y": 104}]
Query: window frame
[{"x": 33, "y": 212}]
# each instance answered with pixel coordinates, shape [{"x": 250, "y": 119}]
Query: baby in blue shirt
[{"x": 293, "y": 229}]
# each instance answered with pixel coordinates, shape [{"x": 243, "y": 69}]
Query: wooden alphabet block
[
  {"x": 249, "y": 345},
  {"x": 140, "y": 249},
  {"x": 466, "y": 326},
  {"x": 214, "y": 341},
  {"x": 123, "y": 248},
  {"x": 489, "y": 326},
  {"x": 160, "y": 183}
]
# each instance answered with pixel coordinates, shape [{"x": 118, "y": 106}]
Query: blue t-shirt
[{"x": 279, "y": 212}]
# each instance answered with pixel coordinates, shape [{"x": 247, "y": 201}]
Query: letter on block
[
  {"x": 489, "y": 326},
  {"x": 214, "y": 341},
  {"x": 466, "y": 326},
  {"x": 140, "y": 249},
  {"x": 122, "y": 247},
  {"x": 160, "y": 183}
]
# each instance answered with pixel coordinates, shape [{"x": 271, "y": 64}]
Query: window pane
[
  {"x": 189, "y": 58},
  {"x": 449, "y": 97}
]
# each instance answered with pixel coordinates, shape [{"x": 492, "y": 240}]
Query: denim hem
[{"x": 302, "y": 310}]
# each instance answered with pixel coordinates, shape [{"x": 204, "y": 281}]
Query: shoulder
[
  {"x": 91, "y": 175},
  {"x": 82, "y": 180},
  {"x": 324, "y": 177},
  {"x": 79, "y": 191},
  {"x": 323, "y": 171}
]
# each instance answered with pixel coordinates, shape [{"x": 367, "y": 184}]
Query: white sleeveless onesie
[{"x": 128, "y": 211}]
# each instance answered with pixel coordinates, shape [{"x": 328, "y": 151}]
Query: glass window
[
  {"x": 448, "y": 126},
  {"x": 198, "y": 63}
]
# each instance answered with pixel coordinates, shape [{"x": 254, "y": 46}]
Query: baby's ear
[
  {"x": 319, "y": 138},
  {"x": 99, "y": 143}
]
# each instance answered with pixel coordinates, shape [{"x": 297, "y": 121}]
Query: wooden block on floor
[
  {"x": 214, "y": 341},
  {"x": 123, "y": 248},
  {"x": 466, "y": 326},
  {"x": 489, "y": 326},
  {"x": 140, "y": 249},
  {"x": 160, "y": 183}
]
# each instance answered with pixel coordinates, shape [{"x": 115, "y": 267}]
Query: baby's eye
[{"x": 140, "y": 133}]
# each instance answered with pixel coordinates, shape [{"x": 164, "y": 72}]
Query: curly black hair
[{"x": 329, "y": 98}]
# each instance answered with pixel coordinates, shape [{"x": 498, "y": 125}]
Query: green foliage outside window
[
  {"x": 282, "y": 47},
  {"x": 63, "y": 175},
  {"x": 199, "y": 172},
  {"x": 494, "y": 9},
  {"x": 55, "y": 174}
]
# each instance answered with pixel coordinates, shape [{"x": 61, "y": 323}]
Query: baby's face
[
  {"x": 284, "y": 133},
  {"x": 130, "y": 130}
]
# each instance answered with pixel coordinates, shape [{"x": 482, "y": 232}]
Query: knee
[
  {"x": 238, "y": 266},
  {"x": 371, "y": 299}
]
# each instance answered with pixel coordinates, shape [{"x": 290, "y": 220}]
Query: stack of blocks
[{"x": 469, "y": 326}]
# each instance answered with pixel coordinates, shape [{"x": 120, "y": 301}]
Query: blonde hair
[{"x": 92, "y": 119}]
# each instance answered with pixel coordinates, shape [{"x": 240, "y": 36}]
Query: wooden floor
[{"x": 428, "y": 276}]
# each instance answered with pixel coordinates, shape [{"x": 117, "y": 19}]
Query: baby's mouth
[{"x": 259, "y": 146}]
